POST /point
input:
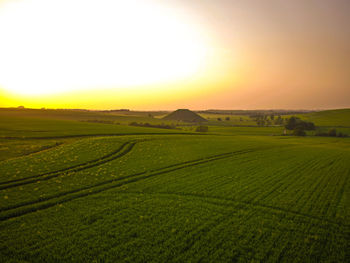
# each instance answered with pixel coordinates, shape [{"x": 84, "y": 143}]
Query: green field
[
  {"x": 335, "y": 118},
  {"x": 77, "y": 191}
]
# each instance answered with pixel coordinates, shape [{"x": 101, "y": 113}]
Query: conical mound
[{"x": 184, "y": 115}]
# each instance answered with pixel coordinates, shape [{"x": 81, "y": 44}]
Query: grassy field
[
  {"x": 73, "y": 191},
  {"x": 335, "y": 118},
  {"x": 28, "y": 127}
]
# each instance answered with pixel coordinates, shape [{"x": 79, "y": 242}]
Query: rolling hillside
[{"x": 331, "y": 118}]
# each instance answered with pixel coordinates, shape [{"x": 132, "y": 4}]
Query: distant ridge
[{"x": 184, "y": 115}]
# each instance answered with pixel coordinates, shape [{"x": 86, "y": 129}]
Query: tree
[
  {"x": 299, "y": 126},
  {"x": 294, "y": 123}
]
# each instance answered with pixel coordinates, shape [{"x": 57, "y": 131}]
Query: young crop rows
[{"x": 178, "y": 198}]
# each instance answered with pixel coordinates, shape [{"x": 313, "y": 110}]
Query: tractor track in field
[
  {"x": 44, "y": 148},
  {"x": 121, "y": 151},
  {"x": 237, "y": 201},
  {"x": 50, "y": 201}
]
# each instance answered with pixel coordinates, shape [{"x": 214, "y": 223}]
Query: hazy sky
[{"x": 198, "y": 54}]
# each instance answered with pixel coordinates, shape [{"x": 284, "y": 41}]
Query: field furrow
[
  {"x": 121, "y": 151},
  {"x": 63, "y": 197}
]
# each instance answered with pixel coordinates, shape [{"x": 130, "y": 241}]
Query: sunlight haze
[{"x": 151, "y": 54}]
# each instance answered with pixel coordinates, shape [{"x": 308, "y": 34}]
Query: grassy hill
[
  {"x": 331, "y": 118},
  {"x": 184, "y": 115}
]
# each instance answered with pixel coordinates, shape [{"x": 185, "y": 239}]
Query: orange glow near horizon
[{"x": 153, "y": 54}]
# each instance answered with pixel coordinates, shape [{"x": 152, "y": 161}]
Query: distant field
[
  {"x": 335, "y": 118},
  {"x": 118, "y": 117},
  {"x": 272, "y": 131},
  {"x": 73, "y": 191},
  {"x": 43, "y": 127},
  {"x": 227, "y": 120}
]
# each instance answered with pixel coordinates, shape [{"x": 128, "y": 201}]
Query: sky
[{"x": 164, "y": 55}]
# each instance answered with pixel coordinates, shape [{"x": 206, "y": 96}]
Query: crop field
[
  {"x": 72, "y": 191},
  {"x": 335, "y": 118}
]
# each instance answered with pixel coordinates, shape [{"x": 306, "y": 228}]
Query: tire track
[
  {"x": 254, "y": 240},
  {"x": 42, "y": 149},
  {"x": 64, "y": 169},
  {"x": 255, "y": 204},
  {"x": 49, "y": 201},
  {"x": 121, "y": 151}
]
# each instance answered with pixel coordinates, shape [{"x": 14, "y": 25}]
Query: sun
[{"x": 50, "y": 47}]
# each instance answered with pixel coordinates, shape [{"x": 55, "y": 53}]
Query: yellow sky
[{"x": 152, "y": 54}]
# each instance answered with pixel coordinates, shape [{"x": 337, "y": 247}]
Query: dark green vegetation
[
  {"x": 299, "y": 126},
  {"x": 202, "y": 128},
  {"x": 73, "y": 191}
]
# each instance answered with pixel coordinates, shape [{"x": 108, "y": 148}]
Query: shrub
[
  {"x": 161, "y": 126},
  {"x": 299, "y": 132},
  {"x": 320, "y": 133},
  {"x": 202, "y": 129},
  {"x": 332, "y": 132}
]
